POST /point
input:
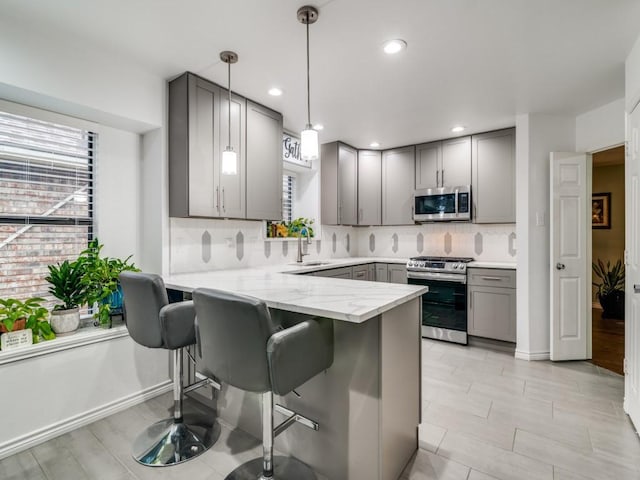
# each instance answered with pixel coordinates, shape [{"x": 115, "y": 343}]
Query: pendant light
[
  {"x": 229, "y": 157},
  {"x": 309, "y": 137}
]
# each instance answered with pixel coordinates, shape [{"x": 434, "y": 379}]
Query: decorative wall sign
[
  {"x": 18, "y": 339},
  {"x": 601, "y": 210},
  {"x": 291, "y": 150}
]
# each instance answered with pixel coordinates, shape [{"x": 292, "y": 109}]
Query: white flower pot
[{"x": 65, "y": 321}]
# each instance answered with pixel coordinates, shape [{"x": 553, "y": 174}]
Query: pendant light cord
[
  {"x": 308, "y": 82},
  {"x": 229, "y": 76}
]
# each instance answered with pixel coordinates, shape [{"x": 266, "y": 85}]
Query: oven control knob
[{"x": 455, "y": 266}]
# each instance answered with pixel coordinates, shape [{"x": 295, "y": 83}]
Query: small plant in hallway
[{"x": 610, "y": 288}]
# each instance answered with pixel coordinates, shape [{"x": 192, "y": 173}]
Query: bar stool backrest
[
  {"x": 232, "y": 332},
  {"x": 144, "y": 295}
]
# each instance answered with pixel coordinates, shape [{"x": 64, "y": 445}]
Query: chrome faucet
[{"x": 300, "y": 254}]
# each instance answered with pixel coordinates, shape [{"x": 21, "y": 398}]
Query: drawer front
[
  {"x": 361, "y": 272},
  {"x": 491, "y": 277}
]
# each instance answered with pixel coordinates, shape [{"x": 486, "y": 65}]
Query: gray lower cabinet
[
  {"x": 369, "y": 187},
  {"x": 396, "y": 273},
  {"x": 494, "y": 177},
  {"x": 264, "y": 163},
  {"x": 398, "y": 181},
  {"x": 339, "y": 182},
  {"x": 343, "y": 272},
  {"x": 382, "y": 272},
  {"x": 360, "y": 272},
  {"x": 492, "y": 303},
  {"x": 445, "y": 163}
]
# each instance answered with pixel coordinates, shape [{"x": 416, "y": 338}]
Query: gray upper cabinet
[
  {"x": 198, "y": 134},
  {"x": 445, "y": 163},
  {"x": 339, "y": 173},
  {"x": 264, "y": 163},
  {"x": 194, "y": 147},
  {"x": 428, "y": 165},
  {"x": 369, "y": 187},
  {"x": 398, "y": 180},
  {"x": 232, "y": 187},
  {"x": 493, "y": 177}
]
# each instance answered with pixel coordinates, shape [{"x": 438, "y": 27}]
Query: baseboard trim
[
  {"x": 32, "y": 439},
  {"x": 532, "y": 356}
]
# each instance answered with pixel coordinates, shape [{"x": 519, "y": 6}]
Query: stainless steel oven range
[{"x": 444, "y": 306}]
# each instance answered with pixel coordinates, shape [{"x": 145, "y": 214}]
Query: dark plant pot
[{"x": 612, "y": 304}]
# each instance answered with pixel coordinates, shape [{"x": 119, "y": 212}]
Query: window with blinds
[
  {"x": 46, "y": 200},
  {"x": 288, "y": 196}
]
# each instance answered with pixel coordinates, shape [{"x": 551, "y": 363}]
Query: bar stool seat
[
  {"x": 241, "y": 344},
  {"x": 154, "y": 323}
]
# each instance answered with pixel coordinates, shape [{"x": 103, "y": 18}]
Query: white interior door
[
  {"x": 632, "y": 281},
  {"x": 570, "y": 272}
]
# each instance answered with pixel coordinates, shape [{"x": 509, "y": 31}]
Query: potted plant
[
  {"x": 68, "y": 286},
  {"x": 18, "y": 315},
  {"x": 610, "y": 292},
  {"x": 301, "y": 226},
  {"x": 101, "y": 280}
]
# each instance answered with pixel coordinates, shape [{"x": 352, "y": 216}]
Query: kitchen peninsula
[{"x": 368, "y": 402}]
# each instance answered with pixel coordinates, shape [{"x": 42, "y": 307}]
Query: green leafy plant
[
  {"x": 300, "y": 226},
  {"x": 32, "y": 311},
  {"x": 101, "y": 277},
  {"x": 67, "y": 283},
  {"x": 611, "y": 277}
]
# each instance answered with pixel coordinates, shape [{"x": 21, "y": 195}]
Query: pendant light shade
[
  {"x": 309, "y": 145},
  {"x": 229, "y": 158}
]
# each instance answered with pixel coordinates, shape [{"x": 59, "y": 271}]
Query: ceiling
[{"x": 472, "y": 62}]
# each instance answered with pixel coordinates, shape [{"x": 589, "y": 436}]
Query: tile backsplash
[
  {"x": 205, "y": 244},
  {"x": 483, "y": 242}
]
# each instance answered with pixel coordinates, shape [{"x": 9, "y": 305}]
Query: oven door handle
[{"x": 442, "y": 277}]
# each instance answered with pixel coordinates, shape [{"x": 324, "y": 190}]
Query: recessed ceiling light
[
  {"x": 394, "y": 46},
  {"x": 374, "y": 144},
  {"x": 275, "y": 91},
  {"x": 457, "y": 129},
  {"x": 318, "y": 126}
]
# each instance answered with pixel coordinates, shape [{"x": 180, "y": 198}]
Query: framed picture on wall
[{"x": 601, "y": 210}]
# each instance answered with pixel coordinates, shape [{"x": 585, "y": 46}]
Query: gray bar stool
[
  {"x": 155, "y": 323},
  {"x": 241, "y": 345}
]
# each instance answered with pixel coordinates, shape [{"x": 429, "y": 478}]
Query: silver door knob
[
  {"x": 636, "y": 289},
  {"x": 560, "y": 266}
]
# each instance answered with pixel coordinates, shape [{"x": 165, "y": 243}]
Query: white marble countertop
[
  {"x": 349, "y": 300},
  {"x": 501, "y": 265}
]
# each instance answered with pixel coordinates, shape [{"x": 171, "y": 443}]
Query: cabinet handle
[
  {"x": 223, "y": 199},
  {"x": 360, "y": 215},
  {"x": 494, "y": 279},
  {"x": 217, "y": 199},
  {"x": 437, "y": 178},
  {"x": 475, "y": 211},
  {"x": 470, "y": 300},
  {"x": 442, "y": 175}
]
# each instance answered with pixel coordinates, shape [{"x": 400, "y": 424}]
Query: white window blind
[
  {"x": 288, "y": 196},
  {"x": 46, "y": 200}
]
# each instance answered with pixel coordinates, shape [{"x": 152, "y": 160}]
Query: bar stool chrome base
[
  {"x": 285, "y": 468},
  {"x": 168, "y": 442}
]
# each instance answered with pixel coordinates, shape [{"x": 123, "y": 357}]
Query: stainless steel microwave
[{"x": 445, "y": 204}]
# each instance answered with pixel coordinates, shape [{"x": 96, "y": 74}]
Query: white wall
[
  {"x": 536, "y": 136},
  {"x": 48, "y": 395},
  {"x": 632, "y": 77},
  {"x": 77, "y": 78},
  {"x": 601, "y": 128}
]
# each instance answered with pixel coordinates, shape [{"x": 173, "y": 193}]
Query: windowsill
[
  {"x": 287, "y": 239},
  {"x": 83, "y": 336}
]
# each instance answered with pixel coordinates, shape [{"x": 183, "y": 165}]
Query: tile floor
[
  {"x": 486, "y": 416},
  {"x": 489, "y": 416}
]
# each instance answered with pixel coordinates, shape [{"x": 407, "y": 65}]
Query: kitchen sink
[{"x": 313, "y": 263}]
